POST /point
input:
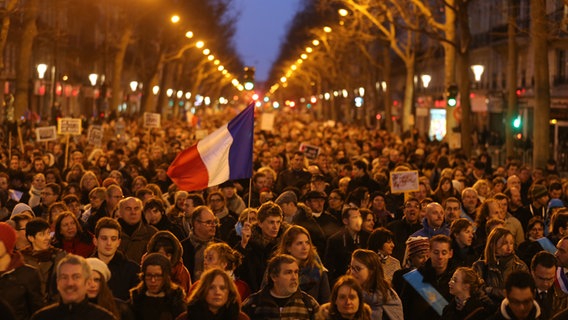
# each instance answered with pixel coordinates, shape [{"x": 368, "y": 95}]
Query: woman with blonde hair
[
  {"x": 296, "y": 241},
  {"x": 216, "y": 297},
  {"x": 470, "y": 302},
  {"x": 498, "y": 262}
]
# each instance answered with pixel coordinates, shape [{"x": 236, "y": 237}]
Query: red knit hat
[{"x": 8, "y": 236}]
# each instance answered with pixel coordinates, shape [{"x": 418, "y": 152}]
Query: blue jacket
[{"x": 429, "y": 232}]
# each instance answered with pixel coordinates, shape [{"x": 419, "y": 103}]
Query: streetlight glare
[
  {"x": 41, "y": 69},
  {"x": 175, "y": 18},
  {"x": 315, "y": 42},
  {"x": 189, "y": 34},
  {"x": 200, "y": 44},
  {"x": 304, "y": 56},
  {"x": 327, "y": 29},
  {"x": 343, "y": 12},
  {"x": 93, "y": 78},
  {"x": 206, "y": 52}
]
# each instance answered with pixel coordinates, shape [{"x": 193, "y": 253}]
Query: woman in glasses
[
  {"x": 296, "y": 241},
  {"x": 156, "y": 296},
  {"x": 367, "y": 269},
  {"x": 469, "y": 301}
]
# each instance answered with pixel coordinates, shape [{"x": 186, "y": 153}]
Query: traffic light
[
  {"x": 248, "y": 78},
  {"x": 517, "y": 122},
  {"x": 452, "y": 95}
]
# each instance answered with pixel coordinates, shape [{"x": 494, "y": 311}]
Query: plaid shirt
[{"x": 261, "y": 305}]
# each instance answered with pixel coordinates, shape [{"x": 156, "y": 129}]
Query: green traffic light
[
  {"x": 517, "y": 122},
  {"x": 452, "y": 102}
]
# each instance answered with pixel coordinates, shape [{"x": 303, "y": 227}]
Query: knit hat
[
  {"x": 537, "y": 191},
  {"x": 7, "y": 236},
  {"x": 98, "y": 265},
  {"x": 555, "y": 203},
  {"x": 417, "y": 244},
  {"x": 157, "y": 259},
  {"x": 314, "y": 195},
  {"x": 21, "y": 207},
  {"x": 286, "y": 197}
]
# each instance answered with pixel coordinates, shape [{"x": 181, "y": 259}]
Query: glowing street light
[
  {"x": 41, "y": 69},
  {"x": 93, "y": 79},
  {"x": 426, "y": 78},
  {"x": 133, "y": 85},
  {"x": 200, "y": 44},
  {"x": 477, "y": 71},
  {"x": 175, "y": 19}
]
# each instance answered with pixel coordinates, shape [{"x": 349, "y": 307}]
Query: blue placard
[{"x": 426, "y": 290}]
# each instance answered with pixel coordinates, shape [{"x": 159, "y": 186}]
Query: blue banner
[{"x": 426, "y": 290}]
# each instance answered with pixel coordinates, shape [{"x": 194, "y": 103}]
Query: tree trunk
[
  {"x": 408, "y": 95},
  {"x": 387, "y": 98},
  {"x": 449, "y": 62},
  {"x": 465, "y": 103},
  {"x": 118, "y": 66},
  {"x": 23, "y": 66},
  {"x": 511, "y": 79},
  {"x": 539, "y": 39}
]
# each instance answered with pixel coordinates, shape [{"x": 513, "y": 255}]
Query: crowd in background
[{"x": 101, "y": 231}]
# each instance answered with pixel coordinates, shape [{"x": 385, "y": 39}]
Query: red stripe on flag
[{"x": 188, "y": 171}]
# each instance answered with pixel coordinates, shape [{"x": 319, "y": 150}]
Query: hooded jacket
[{"x": 180, "y": 274}]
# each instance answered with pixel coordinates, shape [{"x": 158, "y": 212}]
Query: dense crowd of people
[{"x": 101, "y": 232}]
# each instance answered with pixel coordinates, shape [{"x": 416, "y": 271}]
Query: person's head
[
  {"x": 73, "y": 203},
  {"x": 462, "y": 231},
  {"x": 156, "y": 273},
  {"x": 465, "y": 283},
  {"x": 204, "y": 223},
  {"x": 489, "y": 209},
  {"x": 73, "y": 274},
  {"x": 369, "y": 220},
  {"x": 417, "y": 252},
  {"x": 352, "y": 219},
  {"x": 8, "y": 239},
  {"x": 113, "y": 195},
  {"x": 500, "y": 243},
  {"x": 100, "y": 275},
  {"x": 165, "y": 243},
  {"x": 38, "y": 234},
  {"x": 378, "y": 201},
  {"x": 336, "y": 199},
  {"x": 535, "y": 228},
  {"x": 347, "y": 298},
  {"x": 296, "y": 241},
  {"x": 470, "y": 199},
  {"x": 216, "y": 201},
  {"x": 249, "y": 215},
  {"x": 38, "y": 181},
  {"x": 297, "y": 161},
  {"x": 50, "y": 193},
  {"x": 221, "y": 255},
  {"x": 519, "y": 292},
  {"x": 89, "y": 181},
  {"x": 440, "y": 252},
  {"x": 538, "y": 195},
  {"x": 315, "y": 200},
  {"x": 269, "y": 219},
  {"x": 452, "y": 208},
  {"x": 67, "y": 226},
  {"x": 513, "y": 181},
  {"x": 259, "y": 180},
  {"x": 283, "y": 275},
  {"x": 215, "y": 289},
  {"x": 192, "y": 201},
  {"x": 367, "y": 268},
  {"x": 381, "y": 241},
  {"x": 130, "y": 210},
  {"x": 107, "y": 237},
  {"x": 154, "y": 211},
  {"x": 434, "y": 215},
  {"x": 560, "y": 223},
  {"x": 360, "y": 168},
  {"x": 562, "y": 252},
  {"x": 543, "y": 269},
  {"x": 54, "y": 210},
  {"x": 287, "y": 200},
  {"x": 412, "y": 210}
]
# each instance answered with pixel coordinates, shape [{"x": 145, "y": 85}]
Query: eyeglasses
[
  {"x": 153, "y": 277},
  {"x": 210, "y": 223},
  {"x": 356, "y": 269},
  {"x": 411, "y": 206},
  {"x": 216, "y": 200}
]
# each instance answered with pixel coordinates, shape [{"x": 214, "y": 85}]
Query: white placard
[
  {"x": 69, "y": 126},
  {"x": 151, "y": 120},
  {"x": 404, "y": 181},
  {"x": 267, "y": 123},
  {"x": 46, "y": 133},
  {"x": 95, "y": 135}
]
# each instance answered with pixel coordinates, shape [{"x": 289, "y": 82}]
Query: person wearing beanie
[
  {"x": 156, "y": 296},
  {"x": 538, "y": 196},
  {"x": 19, "y": 283},
  {"x": 99, "y": 293},
  {"x": 416, "y": 254},
  {"x": 21, "y": 208}
]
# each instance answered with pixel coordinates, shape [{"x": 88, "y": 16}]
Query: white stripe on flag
[{"x": 214, "y": 152}]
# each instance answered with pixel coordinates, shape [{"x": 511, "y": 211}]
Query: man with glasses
[
  {"x": 135, "y": 232},
  {"x": 227, "y": 220},
  {"x": 403, "y": 228},
  {"x": 49, "y": 195},
  {"x": 550, "y": 299},
  {"x": 341, "y": 245},
  {"x": 519, "y": 302},
  {"x": 203, "y": 224}
]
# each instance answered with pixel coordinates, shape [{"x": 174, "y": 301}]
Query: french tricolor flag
[{"x": 225, "y": 154}]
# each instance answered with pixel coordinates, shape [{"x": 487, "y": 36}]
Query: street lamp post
[
  {"x": 41, "y": 70},
  {"x": 93, "y": 77}
]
